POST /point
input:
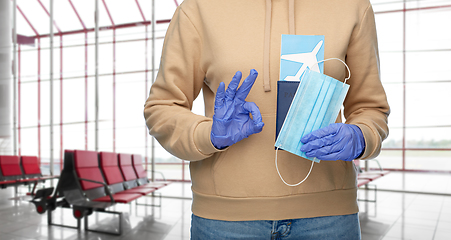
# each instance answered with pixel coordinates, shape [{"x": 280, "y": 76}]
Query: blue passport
[{"x": 285, "y": 94}]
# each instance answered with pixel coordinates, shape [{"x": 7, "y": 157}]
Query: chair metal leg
[
  {"x": 102, "y": 231},
  {"x": 152, "y": 196},
  {"x": 374, "y": 188},
  {"x": 50, "y": 222}
]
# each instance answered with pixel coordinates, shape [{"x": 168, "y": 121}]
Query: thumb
[{"x": 256, "y": 116}]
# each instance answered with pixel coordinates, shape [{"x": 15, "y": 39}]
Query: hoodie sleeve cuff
[
  {"x": 372, "y": 148},
  {"x": 202, "y": 139}
]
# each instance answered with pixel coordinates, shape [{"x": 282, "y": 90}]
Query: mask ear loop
[
  {"x": 349, "y": 71},
  {"x": 292, "y": 185}
]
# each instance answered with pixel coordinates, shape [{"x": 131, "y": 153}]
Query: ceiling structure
[{"x": 78, "y": 16}]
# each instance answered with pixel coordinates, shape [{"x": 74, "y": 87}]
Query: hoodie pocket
[
  {"x": 350, "y": 177},
  {"x": 217, "y": 162},
  {"x": 244, "y": 170},
  {"x": 325, "y": 176}
]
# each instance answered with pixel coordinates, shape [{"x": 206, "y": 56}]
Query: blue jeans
[{"x": 345, "y": 227}]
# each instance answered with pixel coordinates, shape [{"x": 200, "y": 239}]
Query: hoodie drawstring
[
  {"x": 266, "y": 81},
  {"x": 291, "y": 23},
  {"x": 266, "y": 45}
]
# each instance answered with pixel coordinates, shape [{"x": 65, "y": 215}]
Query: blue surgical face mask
[{"x": 315, "y": 105}]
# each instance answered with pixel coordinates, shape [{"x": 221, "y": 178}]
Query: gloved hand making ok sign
[
  {"x": 231, "y": 120},
  {"x": 338, "y": 141}
]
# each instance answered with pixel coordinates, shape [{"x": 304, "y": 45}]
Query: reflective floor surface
[{"x": 395, "y": 215}]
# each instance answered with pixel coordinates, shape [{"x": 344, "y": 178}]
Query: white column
[{"x": 5, "y": 77}]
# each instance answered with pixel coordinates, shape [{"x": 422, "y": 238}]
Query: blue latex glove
[
  {"x": 337, "y": 141},
  {"x": 231, "y": 120}
]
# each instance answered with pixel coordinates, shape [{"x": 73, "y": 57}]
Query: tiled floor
[{"x": 395, "y": 216}]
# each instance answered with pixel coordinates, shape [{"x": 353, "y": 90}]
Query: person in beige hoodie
[{"x": 236, "y": 187}]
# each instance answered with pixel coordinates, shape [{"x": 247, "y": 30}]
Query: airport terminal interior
[{"x": 74, "y": 77}]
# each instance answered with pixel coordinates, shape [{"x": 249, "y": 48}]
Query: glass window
[
  {"x": 388, "y": 159},
  {"x": 428, "y": 66},
  {"x": 395, "y": 100},
  {"x": 426, "y": 105},
  {"x": 414, "y": 52},
  {"x": 130, "y": 56},
  {"x": 73, "y": 60},
  {"x": 428, "y": 160},
  {"x": 394, "y": 139},
  {"x": 432, "y": 137},
  {"x": 124, "y": 76},
  {"x": 390, "y": 31}
]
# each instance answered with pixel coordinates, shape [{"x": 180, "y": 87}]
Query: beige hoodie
[{"x": 206, "y": 43}]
